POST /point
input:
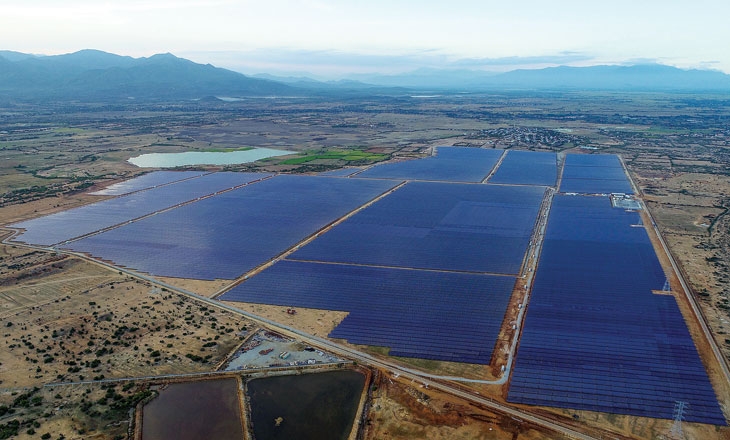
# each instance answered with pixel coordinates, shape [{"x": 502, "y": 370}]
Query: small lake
[
  {"x": 171, "y": 160},
  {"x": 320, "y": 406},
  {"x": 208, "y": 409}
]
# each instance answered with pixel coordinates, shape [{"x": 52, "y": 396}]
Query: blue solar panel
[
  {"x": 231, "y": 233},
  {"x": 453, "y": 164},
  {"x": 77, "y": 222},
  {"x": 527, "y": 168},
  {"x": 592, "y": 160},
  {"x": 591, "y": 186},
  {"x": 428, "y": 225},
  {"x": 594, "y": 174},
  {"x": 595, "y": 336},
  {"x": 424, "y": 314},
  {"x": 145, "y": 181}
]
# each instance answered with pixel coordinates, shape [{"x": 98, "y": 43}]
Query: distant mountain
[
  {"x": 332, "y": 85},
  {"x": 92, "y": 75},
  {"x": 14, "y": 56},
  {"x": 96, "y": 75},
  {"x": 650, "y": 77},
  {"x": 427, "y": 78}
]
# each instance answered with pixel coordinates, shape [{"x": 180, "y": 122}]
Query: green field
[{"x": 345, "y": 156}]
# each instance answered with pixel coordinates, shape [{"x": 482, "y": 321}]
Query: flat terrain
[
  {"x": 84, "y": 321},
  {"x": 677, "y": 148},
  {"x": 65, "y": 320},
  {"x": 404, "y": 410}
]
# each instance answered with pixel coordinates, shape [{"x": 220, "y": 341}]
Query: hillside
[
  {"x": 96, "y": 75},
  {"x": 92, "y": 75}
]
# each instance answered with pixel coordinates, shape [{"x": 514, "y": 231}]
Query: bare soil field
[
  {"x": 313, "y": 321},
  {"x": 405, "y": 410},
  {"x": 201, "y": 287}
]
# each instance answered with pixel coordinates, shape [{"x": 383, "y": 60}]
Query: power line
[{"x": 679, "y": 408}]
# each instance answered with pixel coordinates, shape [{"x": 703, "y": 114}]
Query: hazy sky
[{"x": 335, "y": 37}]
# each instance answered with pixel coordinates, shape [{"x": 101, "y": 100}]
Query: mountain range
[{"x": 91, "y": 75}]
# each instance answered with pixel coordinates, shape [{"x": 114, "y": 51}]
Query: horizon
[
  {"x": 333, "y": 40},
  {"x": 363, "y": 75}
]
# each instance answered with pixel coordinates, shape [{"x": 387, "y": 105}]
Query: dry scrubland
[
  {"x": 67, "y": 320},
  {"x": 70, "y": 318}
]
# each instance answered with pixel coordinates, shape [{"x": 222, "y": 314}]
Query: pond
[
  {"x": 171, "y": 160},
  {"x": 209, "y": 409},
  {"x": 319, "y": 406}
]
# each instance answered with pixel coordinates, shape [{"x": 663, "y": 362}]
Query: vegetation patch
[{"x": 356, "y": 156}]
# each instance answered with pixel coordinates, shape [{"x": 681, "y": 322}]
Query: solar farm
[{"x": 426, "y": 256}]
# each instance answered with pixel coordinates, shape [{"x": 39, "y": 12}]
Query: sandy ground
[
  {"x": 313, "y": 321},
  {"x": 201, "y": 287},
  {"x": 404, "y": 410}
]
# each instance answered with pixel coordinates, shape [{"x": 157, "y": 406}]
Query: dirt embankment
[{"x": 405, "y": 410}]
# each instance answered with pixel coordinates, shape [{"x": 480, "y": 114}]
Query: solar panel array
[
  {"x": 527, "y": 168},
  {"x": 145, "y": 181},
  {"x": 232, "y": 233},
  {"x": 594, "y": 174},
  {"x": 423, "y": 314},
  {"x": 595, "y": 336},
  {"x": 428, "y": 225},
  {"x": 452, "y": 164},
  {"x": 62, "y": 226}
]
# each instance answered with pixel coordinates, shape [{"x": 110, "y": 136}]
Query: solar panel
[
  {"x": 594, "y": 174},
  {"x": 231, "y": 233},
  {"x": 453, "y": 164},
  {"x": 424, "y": 314},
  {"x": 77, "y": 222},
  {"x": 527, "y": 168},
  {"x": 595, "y": 337},
  {"x": 428, "y": 225},
  {"x": 149, "y": 180}
]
